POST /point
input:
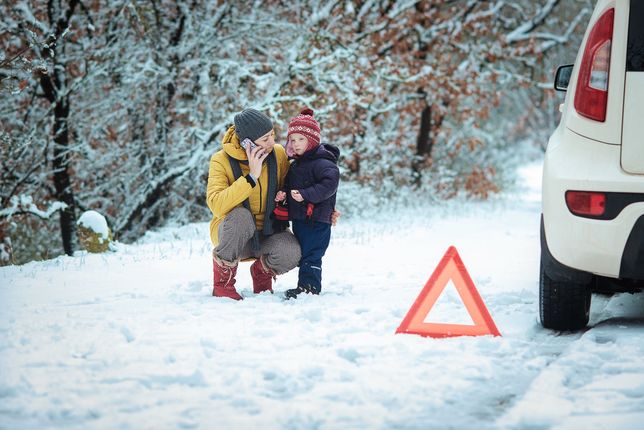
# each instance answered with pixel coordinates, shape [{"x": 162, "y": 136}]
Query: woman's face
[
  {"x": 298, "y": 142},
  {"x": 266, "y": 141}
]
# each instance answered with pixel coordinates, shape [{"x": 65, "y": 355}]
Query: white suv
[{"x": 592, "y": 226}]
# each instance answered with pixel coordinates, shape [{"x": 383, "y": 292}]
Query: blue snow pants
[{"x": 314, "y": 238}]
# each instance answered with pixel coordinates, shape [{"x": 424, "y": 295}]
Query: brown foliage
[{"x": 480, "y": 182}]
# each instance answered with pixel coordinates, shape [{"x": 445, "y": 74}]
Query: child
[{"x": 311, "y": 185}]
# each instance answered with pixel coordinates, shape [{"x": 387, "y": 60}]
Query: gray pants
[{"x": 280, "y": 252}]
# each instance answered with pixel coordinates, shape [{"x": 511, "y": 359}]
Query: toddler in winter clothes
[{"x": 311, "y": 185}]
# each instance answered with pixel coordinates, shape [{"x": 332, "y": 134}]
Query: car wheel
[{"x": 563, "y": 305}]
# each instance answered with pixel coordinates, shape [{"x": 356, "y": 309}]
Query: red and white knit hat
[{"x": 305, "y": 124}]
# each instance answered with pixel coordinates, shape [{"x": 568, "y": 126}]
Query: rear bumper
[
  {"x": 606, "y": 247},
  {"x": 632, "y": 266}
]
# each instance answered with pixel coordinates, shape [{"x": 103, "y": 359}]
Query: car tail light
[
  {"x": 591, "y": 95},
  {"x": 586, "y": 203}
]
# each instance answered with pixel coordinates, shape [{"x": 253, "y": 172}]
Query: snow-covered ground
[{"x": 133, "y": 338}]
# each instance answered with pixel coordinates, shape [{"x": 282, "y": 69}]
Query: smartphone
[{"x": 244, "y": 143}]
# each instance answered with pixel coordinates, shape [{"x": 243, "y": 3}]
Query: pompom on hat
[{"x": 306, "y": 125}]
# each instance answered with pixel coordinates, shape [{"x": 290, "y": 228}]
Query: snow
[
  {"x": 133, "y": 338},
  {"x": 441, "y": 312},
  {"x": 95, "y": 222}
]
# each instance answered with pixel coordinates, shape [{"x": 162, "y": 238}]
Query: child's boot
[
  {"x": 262, "y": 277},
  {"x": 224, "y": 280},
  {"x": 294, "y": 292}
]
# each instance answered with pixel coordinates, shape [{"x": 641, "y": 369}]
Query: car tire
[{"x": 563, "y": 306}]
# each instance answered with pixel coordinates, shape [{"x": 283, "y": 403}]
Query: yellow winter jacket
[{"x": 224, "y": 193}]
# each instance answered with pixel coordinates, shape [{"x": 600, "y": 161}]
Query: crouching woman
[{"x": 243, "y": 179}]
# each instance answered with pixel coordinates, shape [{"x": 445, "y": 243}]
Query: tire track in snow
[{"x": 603, "y": 362}]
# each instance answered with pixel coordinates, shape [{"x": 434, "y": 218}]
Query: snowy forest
[{"x": 117, "y": 106}]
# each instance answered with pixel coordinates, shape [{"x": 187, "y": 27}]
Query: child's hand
[
  {"x": 297, "y": 196},
  {"x": 280, "y": 196},
  {"x": 334, "y": 216}
]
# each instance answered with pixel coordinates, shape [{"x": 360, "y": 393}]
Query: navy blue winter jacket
[{"x": 315, "y": 175}]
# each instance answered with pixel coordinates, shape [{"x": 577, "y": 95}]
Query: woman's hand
[
  {"x": 255, "y": 159},
  {"x": 297, "y": 196},
  {"x": 280, "y": 196}
]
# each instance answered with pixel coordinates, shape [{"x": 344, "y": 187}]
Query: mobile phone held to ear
[{"x": 244, "y": 144}]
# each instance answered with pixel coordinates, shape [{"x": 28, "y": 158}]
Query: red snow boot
[
  {"x": 224, "y": 280},
  {"x": 262, "y": 277}
]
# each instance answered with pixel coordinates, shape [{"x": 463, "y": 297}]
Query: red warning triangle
[{"x": 450, "y": 267}]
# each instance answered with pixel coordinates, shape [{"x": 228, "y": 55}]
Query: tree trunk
[
  {"x": 424, "y": 144},
  {"x": 56, "y": 94},
  {"x": 60, "y": 161},
  {"x": 62, "y": 179}
]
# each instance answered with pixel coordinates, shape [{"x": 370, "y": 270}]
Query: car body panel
[
  {"x": 632, "y": 158},
  {"x": 592, "y": 245}
]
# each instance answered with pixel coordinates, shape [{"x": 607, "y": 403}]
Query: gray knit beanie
[{"x": 252, "y": 124}]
